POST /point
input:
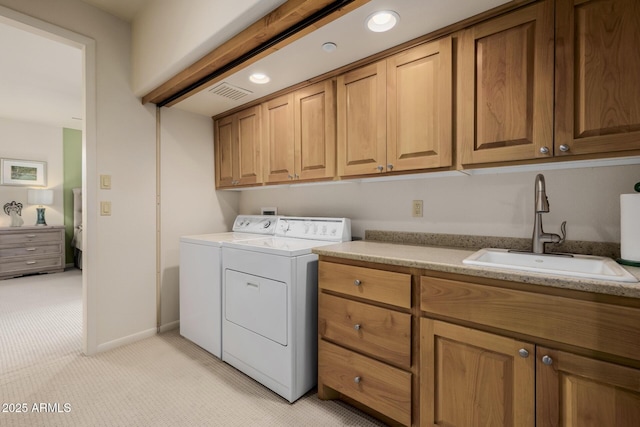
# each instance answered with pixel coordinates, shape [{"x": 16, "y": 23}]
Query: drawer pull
[
  {"x": 356, "y": 326},
  {"x": 31, "y": 235},
  {"x": 357, "y": 380},
  {"x": 30, "y": 249},
  {"x": 357, "y": 282},
  {"x": 31, "y": 262}
]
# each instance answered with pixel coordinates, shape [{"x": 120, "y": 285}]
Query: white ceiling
[
  {"x": 305, "y": 58},
  {"x": 41, "y": 79},
  {"x": 123, "y": 9}
]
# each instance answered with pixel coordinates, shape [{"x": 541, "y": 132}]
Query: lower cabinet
[
  {"x": 364, "y": 344},
  {"x": 476, "y": 378},
  {"x": 579, "y": 391},
  {"x": 457, "y": 351}
]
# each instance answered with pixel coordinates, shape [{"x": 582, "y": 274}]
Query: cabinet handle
[
  {"x": 547, "y": 360},
  {"x": 30, "y": 249},
  {"x": 356, "y": 326},
  {"x": 296, "y": 176},
  {"x": 523, "y": 353},
  {"x": 31, "y": 262},
  {"x": 380, "y": 168},
  {"x": 357, "y": 282},
  {"x": 289, "y": 176},
  {"x": 357, "y": 380},
  {"x": 564, "y": 148},
  {"x": 31, "y": 235},
  {"x": 390, "y": 166},
  {"x": 544, "y": 150}
]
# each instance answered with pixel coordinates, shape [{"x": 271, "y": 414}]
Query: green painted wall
[{"x": 72, "y": 178}]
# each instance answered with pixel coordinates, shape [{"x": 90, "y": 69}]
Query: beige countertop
[{"x": 449, "y": 260}]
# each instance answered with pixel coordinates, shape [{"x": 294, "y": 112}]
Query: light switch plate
[
  {"x": 105, "y": 208},
  {"x": 105, "y": 182}
]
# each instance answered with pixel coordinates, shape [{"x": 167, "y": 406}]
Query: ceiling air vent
[{"x": 226, "y": 90}]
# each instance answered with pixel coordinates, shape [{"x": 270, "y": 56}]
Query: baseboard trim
[
  {"x": 126, "y": 340},
  {"x": 170, "y": 326}
]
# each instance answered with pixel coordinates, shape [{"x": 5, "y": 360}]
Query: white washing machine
[
  {"x": 201, "y": 279},
  {"x": 270, "y": 303}
]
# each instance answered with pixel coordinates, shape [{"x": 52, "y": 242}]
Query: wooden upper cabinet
[
  {"x": 505, "y": 87},
  {"x": 597, "y": 76},
  {"x": 315, "y": 131},
  {"x": 576, "y": 391},
  {"x": 299, "y": 134},
  {"x": 278, "y": 137},
  {"x": 224, "y": 141},
  {"x": 419, "y": 107},
  {"x": 237, "y": 142},
  {"x": 362, "y": 118},
  {"x": 396, "y": 114}
]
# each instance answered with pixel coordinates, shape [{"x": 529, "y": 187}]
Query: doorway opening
[{"x": 36, "y": 28}]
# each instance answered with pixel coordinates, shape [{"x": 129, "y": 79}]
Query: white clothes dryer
[{"x": 270, "y": 303}]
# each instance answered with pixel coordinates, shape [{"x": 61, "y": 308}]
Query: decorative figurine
[{"x": 14, "y": 210}]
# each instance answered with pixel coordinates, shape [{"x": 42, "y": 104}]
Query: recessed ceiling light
[
  {"x": 329, "y": 47},
  {"x": 383, "y": 20},
  {"x": 259, "y": 78}
]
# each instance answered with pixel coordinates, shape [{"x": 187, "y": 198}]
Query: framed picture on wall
[{"x": 23, "y": 172}]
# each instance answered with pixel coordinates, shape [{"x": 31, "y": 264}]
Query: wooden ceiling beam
[{"x": 274, "y": 26}]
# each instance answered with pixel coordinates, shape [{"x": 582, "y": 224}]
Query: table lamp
[{"x": 40, "y": 197}]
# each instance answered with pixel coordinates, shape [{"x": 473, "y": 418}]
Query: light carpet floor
[{"x": 164, "y": 380}]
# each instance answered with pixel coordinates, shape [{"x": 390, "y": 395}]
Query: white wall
[
  {"x": 490, "y": 205},
  {"x": 162, "y": 47},
  {"x": 31, "y": 141},
  {"x": 190, "y": 204},
  {"x": 122, "y": 246}
]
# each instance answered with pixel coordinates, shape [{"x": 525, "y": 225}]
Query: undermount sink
[{"x": 591, "y": 267}]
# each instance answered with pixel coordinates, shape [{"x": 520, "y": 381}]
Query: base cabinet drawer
[
  {"x": 368, "y": 283},
  {"x": 373, "y": 330},
  {"x": 375, "y": 384}
]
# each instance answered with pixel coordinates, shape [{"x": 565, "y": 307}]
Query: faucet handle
[{"x": 563, "y": 230}]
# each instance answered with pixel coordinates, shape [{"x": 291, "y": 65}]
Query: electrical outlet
[{"x": 416, "y": 208}]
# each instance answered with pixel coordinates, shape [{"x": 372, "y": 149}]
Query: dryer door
[{"x": 257, "y": 304}]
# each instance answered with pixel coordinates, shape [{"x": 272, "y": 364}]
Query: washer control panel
[{"x": 315, "y": 228}]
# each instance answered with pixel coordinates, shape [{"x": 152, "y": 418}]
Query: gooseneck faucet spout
[
  {"x": 542, "y": 206},
  {"x": 542, "y": 203}
]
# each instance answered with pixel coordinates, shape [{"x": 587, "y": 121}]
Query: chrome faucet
[{"x": 542, "y": 206}]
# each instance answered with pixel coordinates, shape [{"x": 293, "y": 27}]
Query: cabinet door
[
  {"x": 597, "y": 69},
  {"x": 315, "y": 131},
  {"x": 225, "y": 137},
  {"x": 278, "y": 138},
  {"x": 578, "y": 391},
  {"x": 362, "y": 120},
  {"x": 474, "y": 378},
  {"x": 249, "y": 147},
  {"x": 505, "y": 87},
  {"x": 419, "y": 107}
]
